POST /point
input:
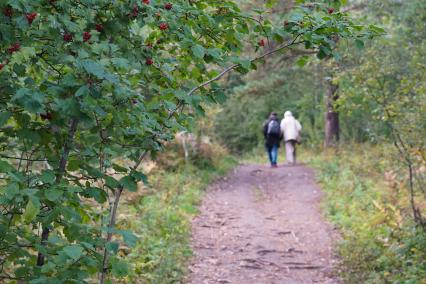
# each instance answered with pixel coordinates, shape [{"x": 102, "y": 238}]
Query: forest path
[{"x": 262, "y": 225}]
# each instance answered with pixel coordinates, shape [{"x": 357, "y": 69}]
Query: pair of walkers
[{"x": 274, "y": 130}]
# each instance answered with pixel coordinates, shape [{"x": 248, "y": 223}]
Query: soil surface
[{"x": 263, "y": 225}]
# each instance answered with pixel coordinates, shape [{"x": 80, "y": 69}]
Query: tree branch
[
  {"x": 61, "y": 170},
  {"x": 232, "y": 67}
]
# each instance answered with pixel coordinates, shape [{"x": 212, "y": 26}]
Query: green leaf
[
  {"x": 111, "y": 182},
  {"x": 112, "y": 247},
  {"x": 198, "y": 51},
  {"x": 48, "y": 176},
  {"x": 48, "y": 267},
  {"x": 128, "y": 183},
  {"x": 4, "y": 116},
  {"x": 302, "y": 60},
  {"x": 31, "y": 210},
  {"x": 119, "y": 168},
  {"x": 129, "y": 238},
  {"x": 53, "y": 194},
  {"x": 30, "y": 100},
  {"x": 270, "y": 3},
  {"x": 5, "y": 167},
  {"x": 73, "y": 251},
  {"x": 82, "y": 91},
  {"x": 97, "y": 193},
  {"x": 12, "y": 189},
  {"x": 215, "y": 52},
  {"x": 139, "y": 176},
  {"x": 119, "y": 268},
  {"x": 359, "y": 44}
]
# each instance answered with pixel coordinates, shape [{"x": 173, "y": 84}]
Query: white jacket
[{"x": 290, "y": 126}]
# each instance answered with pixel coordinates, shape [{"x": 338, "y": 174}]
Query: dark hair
[{"x": 273, "y": 113}]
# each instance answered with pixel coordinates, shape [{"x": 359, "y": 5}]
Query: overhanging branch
[{"x": 232, "y": 67}]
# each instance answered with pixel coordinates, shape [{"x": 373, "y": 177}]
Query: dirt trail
[{"x": 262, "y": 225}]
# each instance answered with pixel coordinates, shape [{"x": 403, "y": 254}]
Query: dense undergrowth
[
  {"x": 160, "y": 216},
  {"x": 367, "y": 202}
]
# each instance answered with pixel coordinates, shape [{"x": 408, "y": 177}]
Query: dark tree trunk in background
[{"x": 332, "y": 127}]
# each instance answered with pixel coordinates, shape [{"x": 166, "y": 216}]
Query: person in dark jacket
[{"x": 272, "y": 133}]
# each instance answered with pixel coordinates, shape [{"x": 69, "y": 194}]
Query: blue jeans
[{"x": 273, "y": 154}]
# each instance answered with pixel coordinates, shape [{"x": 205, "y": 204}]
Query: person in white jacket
[{"x": 290, "y": 127}]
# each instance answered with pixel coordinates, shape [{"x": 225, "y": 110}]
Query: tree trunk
[{"x": 332, "y": 127}]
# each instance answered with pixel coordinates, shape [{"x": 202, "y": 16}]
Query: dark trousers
[{"x": 272, "y": 154}]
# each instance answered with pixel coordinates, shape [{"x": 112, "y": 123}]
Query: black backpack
[{"x": 274, "y": 128}]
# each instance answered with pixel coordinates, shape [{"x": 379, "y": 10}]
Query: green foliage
[{"x": 366, "y": 201}]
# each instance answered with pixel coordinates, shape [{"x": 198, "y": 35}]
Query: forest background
[{"x": 361, "y": 103}]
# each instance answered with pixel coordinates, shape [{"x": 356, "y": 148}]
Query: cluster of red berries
[
  {"x": 8, "y": 12},
  {"x": 1, "y": 66},
  {"x": 168, "y": 6},
  {"x": 330, "y": 10},
  {"x": 68, "y": 37},
  {"x": 86, "y": 36},
  {"x": 163, "y": 26},
  {"x": 99, "y": 27},
  {"x": 145, "y": 1},
  {"x": 31, "y": 17},
  {"x": 149, "y": 61},
  {"x": 14, "y": 48},
  {"x": 261, "y": 42}
]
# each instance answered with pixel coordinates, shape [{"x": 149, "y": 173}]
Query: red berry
[
  {"x": 1, "y": 66},
  {"x": 68, "y": 37},
  {"x": 30, "y": 17},
  {"x": 86, "y": 36},
  {"x": 330, "y": 10},
  {"x": 168, "y": 6},
  {"x": 14, "y": 48},
  {"x": 135, "y": 11},
  {"x": 163, "y": 26},
  {"x": 149, "y": 61},
  {"x": 261, "y": 42},
  {"x": 99, "y": 27},
  {"x": 145, "y": 1},
  {"x": 8, "y": 12}
]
